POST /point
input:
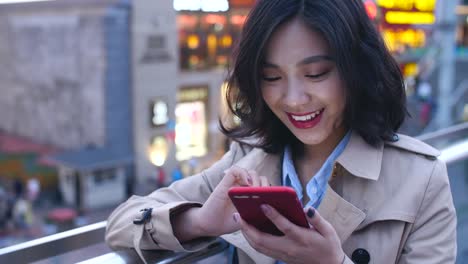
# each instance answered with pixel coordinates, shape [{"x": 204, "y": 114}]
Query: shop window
[
  {"x": 104, "y": 176},
  {"x": 191, "y": 130},
  {"x": 159, "y": 112},
  {"x": 206, "y": 40}
]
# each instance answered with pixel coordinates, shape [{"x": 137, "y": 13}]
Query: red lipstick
[{"x": 304, "y": 124}]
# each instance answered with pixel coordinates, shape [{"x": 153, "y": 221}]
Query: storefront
[
  {"x": 405, "y": 24},
  {"x": 186, "y": 135},
  {"x": 209, "y": 31}
]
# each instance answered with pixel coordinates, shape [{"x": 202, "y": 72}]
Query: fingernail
[
  {"x": 236, "y": 217},
  {"x": 310, "y": 213},
  {"x": 265, "y": 208},
  {"x": 249, "y": 180}
]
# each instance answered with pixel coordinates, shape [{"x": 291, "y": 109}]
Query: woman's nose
[{"x": 295, "y": 94}]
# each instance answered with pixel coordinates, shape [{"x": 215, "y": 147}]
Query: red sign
[
  {"x": 241, "y": 3},
  {"x": 371, "y": 9}
]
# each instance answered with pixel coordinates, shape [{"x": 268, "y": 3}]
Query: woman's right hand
[{"x": 215, "y": 217}]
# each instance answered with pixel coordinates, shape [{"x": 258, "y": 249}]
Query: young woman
[{"x": 320, "y": 99}]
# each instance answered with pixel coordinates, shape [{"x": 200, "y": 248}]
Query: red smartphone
[{"x": 247, "y": 201}]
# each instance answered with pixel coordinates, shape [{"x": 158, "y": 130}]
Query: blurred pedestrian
[
  {"x": 3, "y": 209},
  {"x": 427, "y": 102},
  {"x": 177, "y": 174},
  {"x": 34, "y": 187},
  {"x": 18, "y": 188},
  {"x": 22, "y": 213},
  {"x": 160, "y": 176}
]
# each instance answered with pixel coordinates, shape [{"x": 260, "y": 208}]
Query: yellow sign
[
  {"x": 410, "y": 69},
  {"x": 408, "y": 5},
  {"x": 409, "y": 18},
  {"x": 400, "y": 39},
  {"x": 192, "y": 94}
]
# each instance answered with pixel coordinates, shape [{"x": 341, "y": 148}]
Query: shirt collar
[
  {"x": 358, "y": 158},
  {"x": 289, "y": 168}
]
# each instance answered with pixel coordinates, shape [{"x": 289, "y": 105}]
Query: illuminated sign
[
  {"x": 203, "y": 5},
  {"x": 241, "y": 3},
  {"x": 191, "y": 94},
  {"x": 408, "y": 5},
  {"x": 410, "y": 69},
  {"x": 159, "y": 113},
  {"x": 158, "y": 150},
  {"x": 408, "y": 12},
  {"x": 409, "y": 18},
  {"x": 398, "y": 39},
  {"x": 371, "y": 9},
  {"x": 191, "y": 130}
]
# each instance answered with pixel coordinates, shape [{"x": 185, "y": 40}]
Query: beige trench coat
[{"x": 394, "y": 201}]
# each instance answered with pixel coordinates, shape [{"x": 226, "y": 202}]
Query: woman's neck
[
  {"x": 310, "y": 158},
  {"x": 323, "y": 150}
]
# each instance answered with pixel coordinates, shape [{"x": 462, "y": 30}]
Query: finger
[
  {"x": 318, "y": 222},
  {"x": 281, "y": 222},
  {"x": 255, "y": 179},
  {"x": 237, "y": 175},
  {"x": 262, "y": 242},
  {"x": 264, "y": 181}
]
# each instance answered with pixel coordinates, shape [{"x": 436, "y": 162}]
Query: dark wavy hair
[{"x": 375, "y": 94}]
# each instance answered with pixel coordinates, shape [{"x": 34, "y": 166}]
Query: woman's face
[{"x": 301, "y": 84}]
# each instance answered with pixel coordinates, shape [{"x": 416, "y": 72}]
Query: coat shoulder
[{"x": 414, "y": 145}]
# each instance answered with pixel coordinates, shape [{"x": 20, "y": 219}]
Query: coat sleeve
[
  {"x": 157, "y": 233},
  {"x": 433, "y": 236}
]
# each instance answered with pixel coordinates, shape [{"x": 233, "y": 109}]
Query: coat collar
[{"x": 361, "y": 159}]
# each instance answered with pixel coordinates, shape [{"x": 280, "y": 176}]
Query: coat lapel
[{"x": 341, "y": 214}]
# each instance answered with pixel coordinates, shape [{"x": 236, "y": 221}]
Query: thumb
[{"x": 318, "y": 222}]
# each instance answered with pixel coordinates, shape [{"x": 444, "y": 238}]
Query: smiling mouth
[{"x": 308, "y": 120}]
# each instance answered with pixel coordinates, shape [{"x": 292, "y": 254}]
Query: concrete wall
[
  {"x": 52, "y": 65},
  {"x": 154, "y": 74}
]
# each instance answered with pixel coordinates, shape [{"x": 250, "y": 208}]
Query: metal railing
[
  {"x": 57, "y": 244},
  {"x": 78, "y": 238},
  {"x": 53, "y": 245},
  {"x": 445, "y": 134}
]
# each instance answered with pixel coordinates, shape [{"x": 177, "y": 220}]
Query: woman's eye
[
  {"x": 270, "y": 79},
  {"x": 315, "y": 76}
]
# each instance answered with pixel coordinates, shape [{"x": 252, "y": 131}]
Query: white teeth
[{"x": 306, "y": 117}]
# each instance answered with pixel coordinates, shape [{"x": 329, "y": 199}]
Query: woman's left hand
[{"x": 318, "y": 244}]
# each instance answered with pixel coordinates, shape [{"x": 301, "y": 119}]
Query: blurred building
[
  {"x": 124, "y": 88},
  {"x": 130, "y": 90},
  {"x": 65, "y": 81}
]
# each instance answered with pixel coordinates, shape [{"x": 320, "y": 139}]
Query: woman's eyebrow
[
  {"x": 308, "y": 60},
  {"x": 313, "y": 59}
]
